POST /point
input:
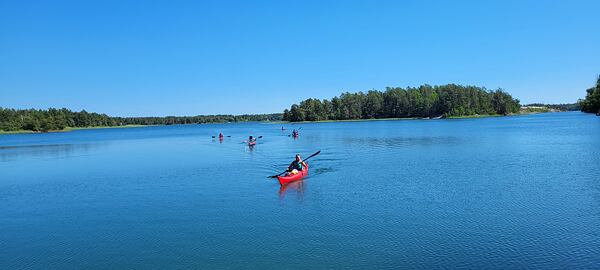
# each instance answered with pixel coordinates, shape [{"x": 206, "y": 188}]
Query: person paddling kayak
[
  {"x": 295, "y": 133},
  {"x": 251, "y": 141},
  {"x": 296, "y": 166},
  {"x": 221, "y": 135}
]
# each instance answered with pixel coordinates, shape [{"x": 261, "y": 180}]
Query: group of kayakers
[
  {"x": 297, "y": 166},
  {"x": 251, "y": 139}
]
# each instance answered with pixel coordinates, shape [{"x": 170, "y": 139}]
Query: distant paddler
[
  {"x": 252, "y": 140},
  {"x": 221, "y": 136}
]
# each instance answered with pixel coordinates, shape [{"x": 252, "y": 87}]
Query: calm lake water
[{"x": 494, "y": 193}]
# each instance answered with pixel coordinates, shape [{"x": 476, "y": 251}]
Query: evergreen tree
[
  {"x": 591, "y": 103},
  {"x": 424, "y": 101}
]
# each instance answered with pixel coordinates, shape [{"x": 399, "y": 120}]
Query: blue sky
[{"x": 141, "y": 58}]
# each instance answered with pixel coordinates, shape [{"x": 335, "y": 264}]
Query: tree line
[
  {"x": 395, "y": 102},
  {"x": 58, "y": 119},
  {"x": 591, "y": 103}
]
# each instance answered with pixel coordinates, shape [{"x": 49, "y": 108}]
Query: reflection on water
[
  {"x": 295, "y": 188},
  {"x": 47, "y": 151}
]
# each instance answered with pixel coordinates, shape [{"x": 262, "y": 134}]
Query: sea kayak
[{"x": 294, "y": 177}]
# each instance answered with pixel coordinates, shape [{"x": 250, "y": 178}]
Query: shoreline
[
  {"x": 480, "y": 116},
  {"x": 68, "y": 129},
  {"x": 408, "y": 118},
  {"x": 475, "y": 116}
]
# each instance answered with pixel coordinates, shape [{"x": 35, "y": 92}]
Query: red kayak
[{"x": 293, "y": 177}]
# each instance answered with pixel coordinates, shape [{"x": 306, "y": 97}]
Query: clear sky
[{"x": 142, "y": 58}]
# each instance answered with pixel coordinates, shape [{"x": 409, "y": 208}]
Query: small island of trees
[{"x": 423, "y": 101}]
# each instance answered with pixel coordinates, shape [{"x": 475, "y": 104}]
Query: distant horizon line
[{"x": 210, "y": 114}]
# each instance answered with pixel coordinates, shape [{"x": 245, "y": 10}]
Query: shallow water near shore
[{"x": 490, "y": 193}]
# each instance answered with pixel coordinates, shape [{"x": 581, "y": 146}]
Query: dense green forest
[
  {"x": 59, "y": 119},
  {"x": 423, "y": 101},
  {"x": 591, "y": 103}
]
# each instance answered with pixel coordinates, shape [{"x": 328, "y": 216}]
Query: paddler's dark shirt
[{"x": 296, "y": 165}]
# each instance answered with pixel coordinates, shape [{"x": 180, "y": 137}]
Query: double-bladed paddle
[
  {"x": 259, "y": 137},
  {"x": 275, "y": 176}
]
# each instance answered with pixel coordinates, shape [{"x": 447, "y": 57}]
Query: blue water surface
[{"x": 493, "y": 193}]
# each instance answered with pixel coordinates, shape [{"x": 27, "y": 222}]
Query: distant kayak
[{"x": 294, "y": 177}]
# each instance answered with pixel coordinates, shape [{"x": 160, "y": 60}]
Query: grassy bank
[
  {"x": 16, "y": 132},
  {"x": 67, "y": 129},
  {"x": 476, "y": 116},
  {"x": 100, "y": 127}
]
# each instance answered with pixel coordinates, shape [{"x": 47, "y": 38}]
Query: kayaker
[
  {"x": 251, "y": 139},
  {"x": 221, "y": 135},
  {"x": 295, "y": 133},
  {"x": 297, "y": 165}
]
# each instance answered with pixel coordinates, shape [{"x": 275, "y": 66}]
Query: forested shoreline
[
  {"x": 449, "y": 100},
  {"x": 424, "y": 101},
  {"x": 58, "y": 119},
  {"x": 591, "y": 103}
]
